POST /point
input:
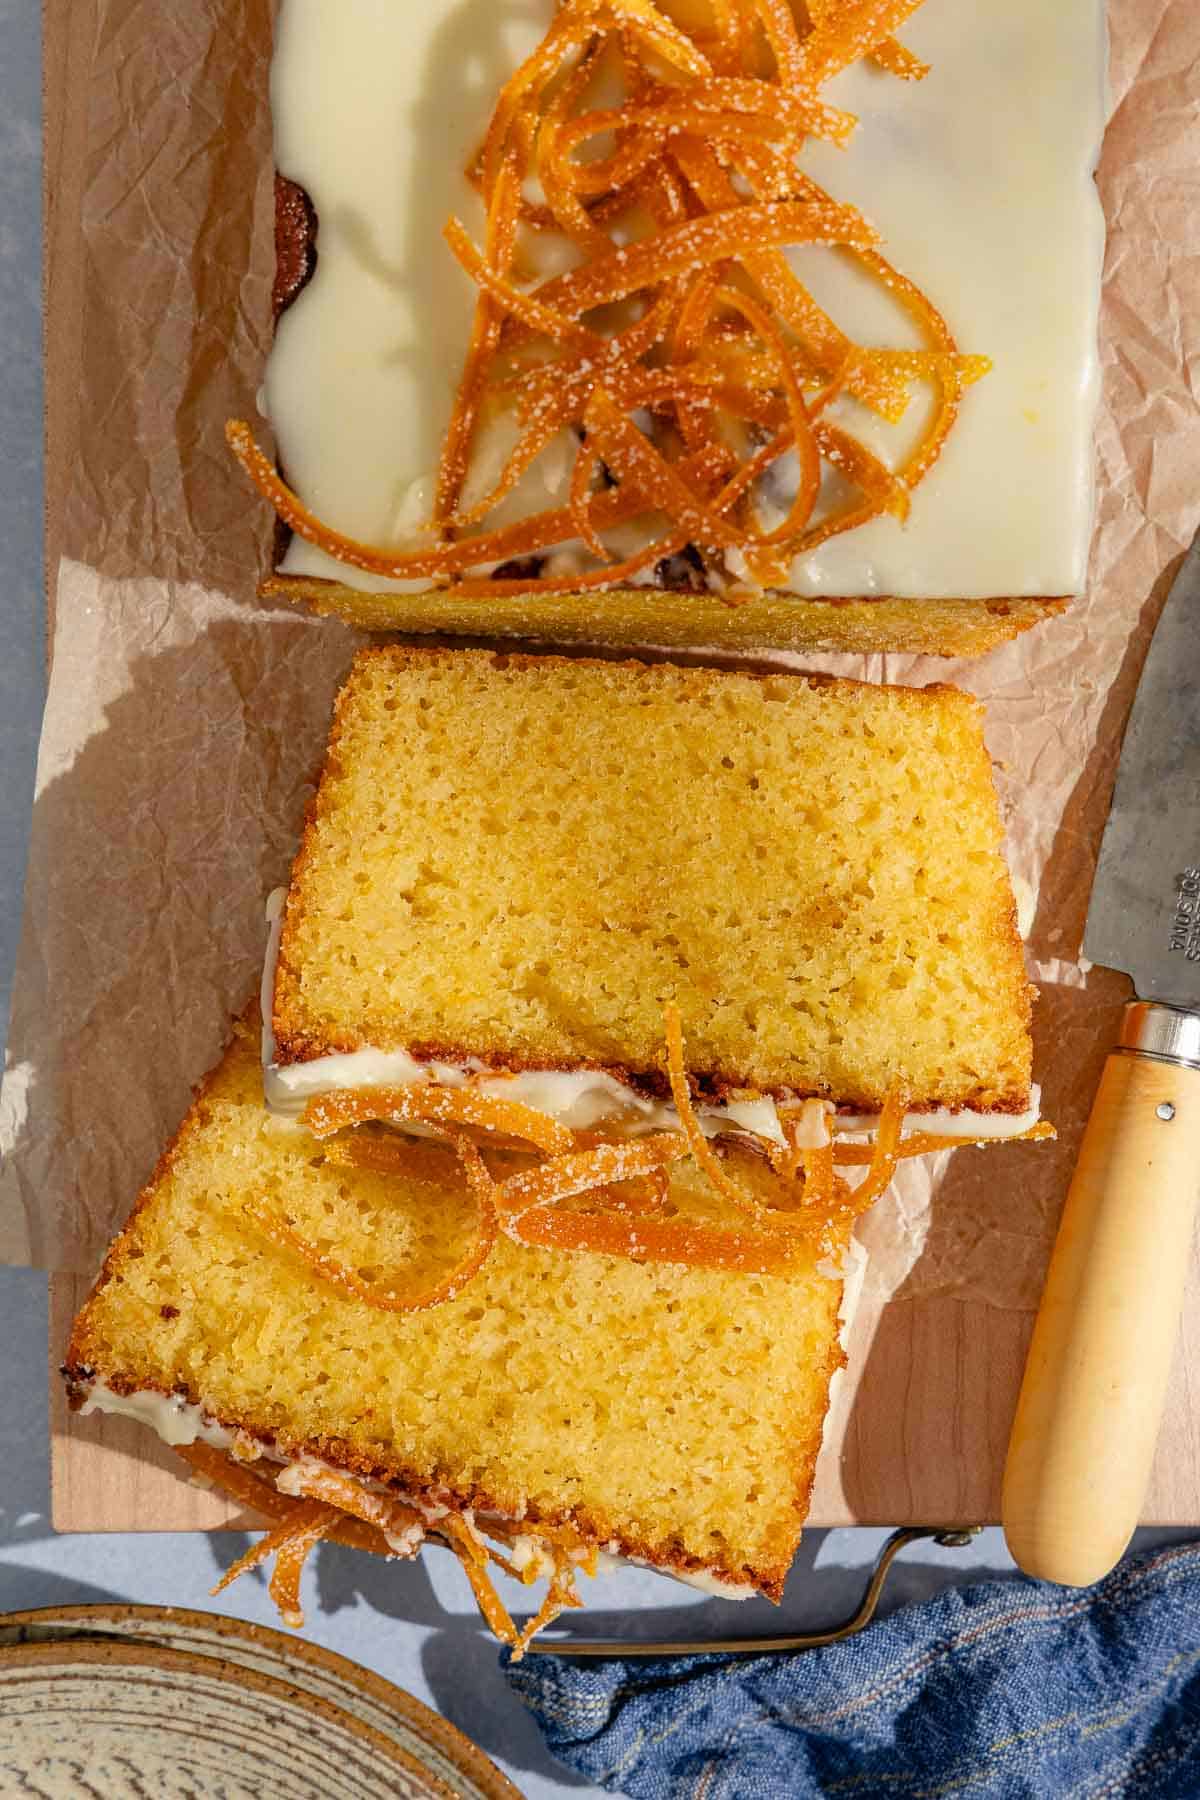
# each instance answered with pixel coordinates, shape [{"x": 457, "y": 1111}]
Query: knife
[{"x": 1096, "y": 1376}]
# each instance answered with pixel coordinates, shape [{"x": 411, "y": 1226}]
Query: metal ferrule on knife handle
[{"x": 1167, "y": 1033}]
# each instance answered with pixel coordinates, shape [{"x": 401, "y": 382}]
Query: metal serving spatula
[{"x": 1092, "y": 1398}]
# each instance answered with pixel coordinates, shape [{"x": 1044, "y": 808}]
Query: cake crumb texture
[
  {"x": 524, "y": 859},
  {"x": 675, "y": 1414}
]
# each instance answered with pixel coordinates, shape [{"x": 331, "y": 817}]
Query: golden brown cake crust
[
  {"x": 230, "y": 1070},
  {"x": 633, "y": 617},
  {"x": 594, "y": 1527}
]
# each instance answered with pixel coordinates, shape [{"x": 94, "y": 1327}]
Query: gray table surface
[{"x": 414, "y": 1624}]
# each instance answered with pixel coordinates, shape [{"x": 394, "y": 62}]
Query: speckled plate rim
[
  {"x": 72, "y": 1624},
  {"x": 126, "y": 1653},
  {"x": 120, "y": 1652}
]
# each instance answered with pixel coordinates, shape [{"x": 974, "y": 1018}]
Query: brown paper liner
[{"x": 185, "y": 719}]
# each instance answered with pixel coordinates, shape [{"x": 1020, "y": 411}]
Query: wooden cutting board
[{"x": 920, "y": 1423}]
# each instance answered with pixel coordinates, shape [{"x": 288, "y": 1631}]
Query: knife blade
[
  {"x": 1099, "y": 1361},
  {"x": 1144, "y": 916}
]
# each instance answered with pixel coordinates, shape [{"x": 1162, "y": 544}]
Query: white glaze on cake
[
  {"x": 175, "y": 1420},
  {"x": 978, "y": 178},
  {"x": 576, "y": 1098}
]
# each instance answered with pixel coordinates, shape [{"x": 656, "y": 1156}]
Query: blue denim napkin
[{"x": 1010, "y": 1688}]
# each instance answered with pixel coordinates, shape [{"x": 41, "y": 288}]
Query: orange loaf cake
[
  {"x": 734, "y": 322},
  {"x": 514, "y": 865},
  {"x": 535, "y": 1406}
]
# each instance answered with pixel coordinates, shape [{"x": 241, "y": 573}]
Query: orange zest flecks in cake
[
  {"x": 679, "y": 361},
  {"x": 327, "y": 1503},
  {"x": 623, "y": 1182}
]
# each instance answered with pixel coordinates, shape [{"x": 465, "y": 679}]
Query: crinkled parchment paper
[{"x": 184, "y": 720}]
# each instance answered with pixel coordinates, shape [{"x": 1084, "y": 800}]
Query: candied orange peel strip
[
  {"x": 331, "y": 1487},
  {"x": 851, "y": 30},
  {"x": 561, "y": 1595},
  {"x": 339, "y": 1507},
  {"x": 290, "y": 1543},
  {"x": 885, "y": 1152},
  {"x": 427, "y": 1103},
  {"x": 475, "y": 1555},
  {"x": 779, "y": 22},
  {"x": 382, "y": 1298},
  {"x": 485, "y": 340},
  {"x": 562, "y": 1177},
  {"x": 656, "y": 1240},
  {"x": 695, "y": 243},
  {"x": 822, "y": 1187},
  {"x": 529, "y": 1204},
  {"x": 644, "y": 1198},
  {"x": 383, "y": 1155},
  {"x": 664, "y": 154},
  {"x": 887, "y": 54},
  {"x": 630, "y": 454},
  {"x": 290, "y": 1557},
  {"x": 250, "y": 1489},
  {"x": 472, "y": 1553},
  {"x": 699, "y": 1145}
]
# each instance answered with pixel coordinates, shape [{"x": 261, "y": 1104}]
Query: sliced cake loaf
[
  {"x": 561, "y": 1404},
  {"x": 770, "y": 318},
  {"x": 519, "y": 862}
]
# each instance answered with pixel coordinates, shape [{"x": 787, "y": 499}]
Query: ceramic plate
[{"x": 119, "y": 1700}]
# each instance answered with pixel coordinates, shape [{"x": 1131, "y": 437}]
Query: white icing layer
[
  {"x": 582, "y": 1098},
  {"x": 576, "y": 1098},
  {"x": 176, "y": 1421},
  {"x": 979, "y": 179},
  {"x": 713, "y": 1585},
  {"x": 964, "y": 1123}
]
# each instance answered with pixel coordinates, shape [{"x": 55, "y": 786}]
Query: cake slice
[
  {"x": 868, "y": 261},
  {"x": 559, "y": 1405},
  {"x": 514, "y": 866}
]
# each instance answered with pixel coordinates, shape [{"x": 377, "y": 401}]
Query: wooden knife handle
[{"x": 1092, "y": 1399}]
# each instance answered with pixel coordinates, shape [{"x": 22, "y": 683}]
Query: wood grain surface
[{"x": 920, "y": 1424}]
